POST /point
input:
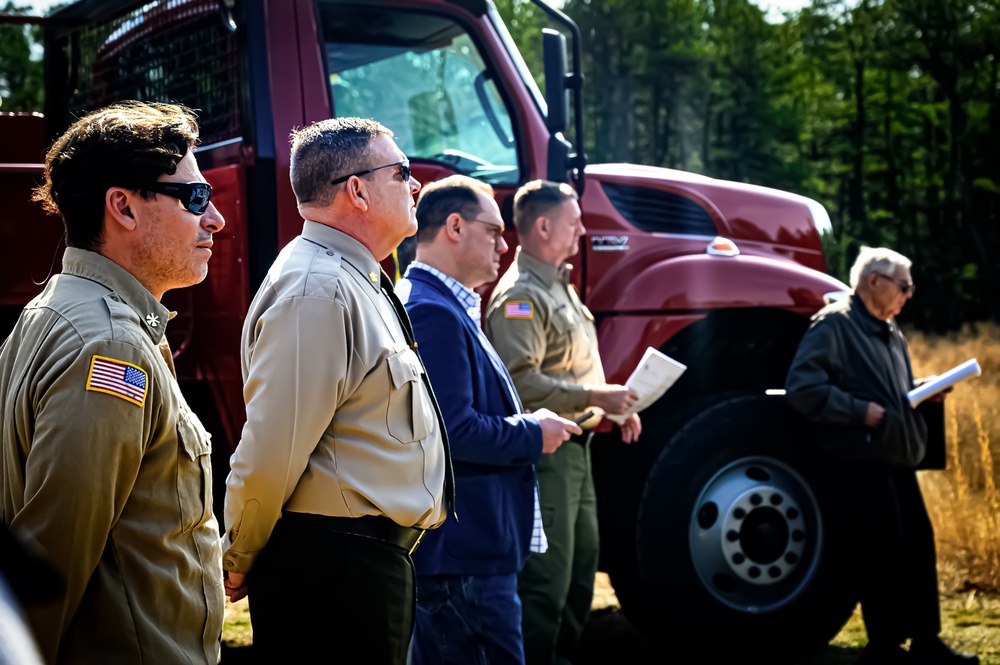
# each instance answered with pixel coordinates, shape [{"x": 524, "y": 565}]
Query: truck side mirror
[
  {"x": 559, "y": 159},
  {"x": 556, "y": 91}
]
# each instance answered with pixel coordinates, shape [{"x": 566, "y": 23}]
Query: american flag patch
[
  {"x": 519, "y": 310},
  {"x": 118, "y": 378}
]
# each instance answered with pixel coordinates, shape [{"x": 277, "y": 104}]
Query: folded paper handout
[{"x": 655, "y": 373}]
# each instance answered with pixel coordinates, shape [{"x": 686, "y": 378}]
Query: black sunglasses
[
  {"x": 404, "y": 170},
  {"x": 904, "y": 287},
  {"x": 193, "y": 195}
]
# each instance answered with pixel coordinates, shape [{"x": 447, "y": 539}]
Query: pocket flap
[
  {"x": 563, "y": 321},
  {"x": 194, "y": 437},
  {"x": 404, "y": 366}
]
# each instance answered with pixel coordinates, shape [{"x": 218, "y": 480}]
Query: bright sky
[{"x": 773, "y": 7}]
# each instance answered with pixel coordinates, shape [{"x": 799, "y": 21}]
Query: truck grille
[
  {"x": 658, "y": 211},
  {"x": 164, "y": 51}
]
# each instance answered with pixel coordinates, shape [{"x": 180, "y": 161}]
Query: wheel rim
[{"x": 756, "y": 535}]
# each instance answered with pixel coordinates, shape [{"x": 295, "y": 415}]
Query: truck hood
[{"x": 740, "y": 211}]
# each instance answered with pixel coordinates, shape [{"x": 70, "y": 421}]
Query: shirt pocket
[
  {"x": 564, "y": 325},
  {"x": 409, "y": 416},
  {"x": 194, "y": 472}
]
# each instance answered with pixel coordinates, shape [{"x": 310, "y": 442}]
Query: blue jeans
[{"x": 467, "y": 620}]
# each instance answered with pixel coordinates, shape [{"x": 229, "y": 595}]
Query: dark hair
[
  {"x": 536, "y": 199},
  {"x": 438, "y": 200},
  {"x": 327, "y": 150},
  {"x": 126, "y": 145}
]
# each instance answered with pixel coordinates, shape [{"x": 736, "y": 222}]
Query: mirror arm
[{"x": 574, "y": 81}]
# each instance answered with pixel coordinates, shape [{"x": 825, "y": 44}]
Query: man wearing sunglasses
[
  {"x": 343, "y": 463},
  {"x": 105, "y": 468},
  {"x": 850, "y": 376}
]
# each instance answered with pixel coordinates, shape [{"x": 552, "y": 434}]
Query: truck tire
[{"x": 735, "y": 536}]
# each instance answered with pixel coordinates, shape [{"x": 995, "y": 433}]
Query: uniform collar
[
  {"x": 546, "y": 273},
  {"x": 347, "y": 246},
  {"x": 124, "y": 286}
]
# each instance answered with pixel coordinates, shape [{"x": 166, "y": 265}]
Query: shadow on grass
[
  {"x": 237, "y": 655},
  {"x": 609, "y": 639}
]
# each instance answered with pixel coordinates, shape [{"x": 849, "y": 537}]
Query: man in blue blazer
[{"x": 468, "y": 611}]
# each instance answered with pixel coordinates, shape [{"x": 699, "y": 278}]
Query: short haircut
[
  {"x": 327, "y": 150},
  {"x": 438, "y": 200},
  {"x": 127, "y": 145},
  {"x": 876, "y": 259},
  {"x": 537, "y": 199}
]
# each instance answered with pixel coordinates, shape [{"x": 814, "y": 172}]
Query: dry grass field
[{"x": 963, "y": 500}]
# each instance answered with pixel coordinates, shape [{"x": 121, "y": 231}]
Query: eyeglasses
[
  {"x": 495, "y": 229},
  {"x": 194, "y": 196},
  {"x": 404, "y": 170},
  {"x": 904, "y": 287}
]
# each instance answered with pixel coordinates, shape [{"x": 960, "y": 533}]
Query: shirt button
[{"x": 329, "y": 252}]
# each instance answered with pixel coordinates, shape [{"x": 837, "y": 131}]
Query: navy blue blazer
[{"x": 493, "y": 446}]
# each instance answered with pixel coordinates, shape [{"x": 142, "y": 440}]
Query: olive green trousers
[{"x": 556, "y": 588}]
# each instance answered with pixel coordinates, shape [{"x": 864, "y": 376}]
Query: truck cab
[{"x": 718, "y": 520}]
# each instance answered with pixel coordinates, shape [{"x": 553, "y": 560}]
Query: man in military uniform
[
  {"x": 105, "y": 468},
  {"x": 547, "y": 339},
  {"x": 343, "y": 462}
]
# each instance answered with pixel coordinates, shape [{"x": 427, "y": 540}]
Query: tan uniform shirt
[
  {"x": 107, "y": 469},
  {"x": 546, "y": 337},
  {"x": 339, "y": 421}
]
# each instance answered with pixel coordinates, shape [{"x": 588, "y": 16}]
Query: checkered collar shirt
[{"x": 472, "y": 302}]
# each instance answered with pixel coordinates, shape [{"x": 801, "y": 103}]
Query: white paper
[
  {"x": 967, "y": 370},
  {"x": 652, "y": 377}
]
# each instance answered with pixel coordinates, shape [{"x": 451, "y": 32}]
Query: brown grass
[{"x": 963, "y": 500}]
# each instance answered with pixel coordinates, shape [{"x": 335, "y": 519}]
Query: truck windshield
[
  {"x": 422, "y": 76},
  {"x": 522, "y": 67}
]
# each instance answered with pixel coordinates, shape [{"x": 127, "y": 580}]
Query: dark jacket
[
  {"x": 493, "y": 446},
  {"x": 847, "y": 359}
]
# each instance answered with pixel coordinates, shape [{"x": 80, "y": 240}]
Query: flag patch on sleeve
[
  {"x": 519, "y": 310},
  {"x": 118, "y": 378}
]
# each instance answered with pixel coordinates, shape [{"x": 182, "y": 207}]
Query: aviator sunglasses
[
  {"x": 404, "y": 170},
  {"x": 193, "y": 195}
]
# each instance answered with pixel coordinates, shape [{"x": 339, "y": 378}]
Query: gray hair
[
  {"x": 327, "y": 150},
  {"x": 876, "y": 259}
]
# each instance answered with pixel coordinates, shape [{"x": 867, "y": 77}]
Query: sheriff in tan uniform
[
  {"x": 109, "y": 471},
  {"x": 343, "y": 462},
  {"x": 320, "y": 411}
]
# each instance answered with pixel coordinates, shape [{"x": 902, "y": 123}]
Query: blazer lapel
[{"x": 445, "y": 295}]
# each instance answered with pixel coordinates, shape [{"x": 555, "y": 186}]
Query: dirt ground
[{"x": 971, "y": 623}]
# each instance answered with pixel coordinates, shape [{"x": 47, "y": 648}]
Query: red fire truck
[{"x": 718, "y": 522}]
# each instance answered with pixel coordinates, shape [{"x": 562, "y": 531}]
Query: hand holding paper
[
  {"x": 655, "y": 373},
  {"x": 967, "y": 370}
]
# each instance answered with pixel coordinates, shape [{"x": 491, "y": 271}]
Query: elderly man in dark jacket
[{"x": 850, "y": 376}]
